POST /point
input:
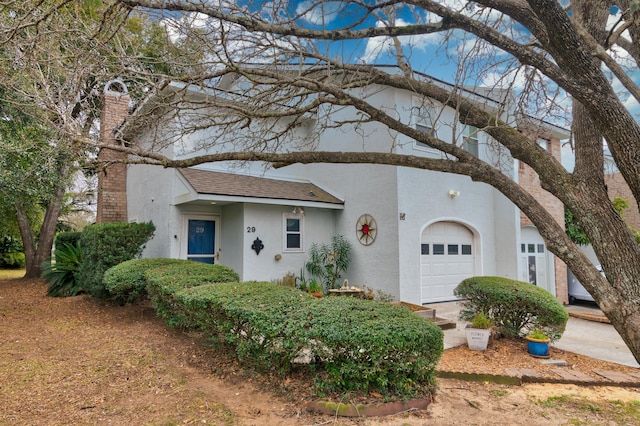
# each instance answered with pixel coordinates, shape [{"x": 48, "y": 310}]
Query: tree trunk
[
  {"x": 625, "y": 318},
  {"x": 35, "y": 255},
  {"x": 28, "y": 241}
]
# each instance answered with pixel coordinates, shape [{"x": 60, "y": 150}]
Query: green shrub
[
  {"x": 72, "y": 238},
  {"x": 516, "y": 307},
  {"x": 61, "y": 271},
  {"x": 125, "y": 282},
  {"x": 106, "y": 245},
  {"x": 163, "y": 282},
  {"x": 360, "y": 345},
  {"x": 12, "y": 260},
  {"x": 250, "y": 318},
  {"x": 9, "y": 244},
  {"x": 11, "y": 253},
  {"x": 376, "y": 346}
]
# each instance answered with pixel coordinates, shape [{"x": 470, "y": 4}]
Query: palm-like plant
[
  {"x": 62, "y": 274},
  {"x": 328, "y": 262}
]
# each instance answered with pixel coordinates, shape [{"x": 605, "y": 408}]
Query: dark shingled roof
[{"x": 229, "y": 184}]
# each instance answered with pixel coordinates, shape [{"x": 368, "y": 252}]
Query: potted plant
[
  {"x": 538, "y": 343},
  {"x": 478, "y": 332}
]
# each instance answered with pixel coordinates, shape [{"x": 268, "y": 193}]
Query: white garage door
[{"x": 446, "y": 259}]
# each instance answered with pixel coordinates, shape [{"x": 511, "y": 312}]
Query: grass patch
[
  {"x": 11, "y": 273},
  {"x": 499, "y": 392},
  {"x": 615, "y": 411},
  {"x": 554, "y": 401},
  {"x": 594, "y": 408}
]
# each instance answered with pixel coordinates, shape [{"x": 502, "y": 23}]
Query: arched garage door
[{"x": 447, "y": 257}]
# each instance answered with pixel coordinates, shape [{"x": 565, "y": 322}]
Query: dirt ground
[{"x": 76, "y": 361}]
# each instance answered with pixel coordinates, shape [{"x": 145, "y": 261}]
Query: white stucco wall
[
  {"x": 267, "y": 220},
  {"x": 506, "y": 219},
  {"x": 424, "y": 199},
  {"x": 148, "y": 200},
  {"x": 367, "y": 189},
  {"x": 231, "y": 244}
]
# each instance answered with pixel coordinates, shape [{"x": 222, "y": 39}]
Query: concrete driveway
[{"x": 585, "y": 337}]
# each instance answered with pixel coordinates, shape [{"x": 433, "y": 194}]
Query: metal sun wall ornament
[
  {"x": 366, "y": 229},
  {"x": 257, "y": 245}
]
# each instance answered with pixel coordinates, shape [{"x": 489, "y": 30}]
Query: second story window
[
  {"x": 544, "y": 144},
  {"x": 422, "y": 121},
  {"x": 470, "y": 143}
]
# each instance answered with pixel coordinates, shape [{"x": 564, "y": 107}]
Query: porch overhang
[{"x": 207, "y": 187}]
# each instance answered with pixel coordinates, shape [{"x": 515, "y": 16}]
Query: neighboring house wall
[
  {"x": 617, "y": 187},
  {"x": 553, "y": 277}
]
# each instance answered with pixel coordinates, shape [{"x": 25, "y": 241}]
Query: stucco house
[{"x": 415, "y": 234}]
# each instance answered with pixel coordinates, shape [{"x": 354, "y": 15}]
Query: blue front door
[{"x": 202, "y": 236}]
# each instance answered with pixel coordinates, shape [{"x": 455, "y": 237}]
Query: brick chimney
[{"x": 112, "y": 177}]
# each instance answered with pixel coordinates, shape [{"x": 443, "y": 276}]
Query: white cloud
[
  {"x": 512, "y": 79},
  {"x": 322, "y": 13},
  {"x": 377, "y": 46}
]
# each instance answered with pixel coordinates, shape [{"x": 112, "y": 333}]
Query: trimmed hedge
[
  {"x": 125, "y": 282},
  {"x": 362, "y": 345},
  {"x": 516, "y": 307},
  {"x": 106, "y": 245},
  {"x": 163, "y": 282},
  {"x": 351, "y": 344},
  {"x": 248, "y": 317}
]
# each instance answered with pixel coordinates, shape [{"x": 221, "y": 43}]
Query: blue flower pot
[{"x": 538, "y": 348}]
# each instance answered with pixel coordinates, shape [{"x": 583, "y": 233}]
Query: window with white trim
[
  {"x": 421, "y": 120},
  {"x": 544, "y": 144},
  {"x": 293, "y": 226},
  {"x": 470, "y": 143}
]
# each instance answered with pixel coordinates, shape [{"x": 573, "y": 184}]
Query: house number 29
[{"x": 251, "y": 229}]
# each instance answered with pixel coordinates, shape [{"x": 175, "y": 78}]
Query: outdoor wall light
[
  {"x": 298, "y": 210},
  {"x": 453, "y": 193}
]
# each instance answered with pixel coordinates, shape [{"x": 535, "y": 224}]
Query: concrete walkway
[{"x": 592, "y": 337}]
